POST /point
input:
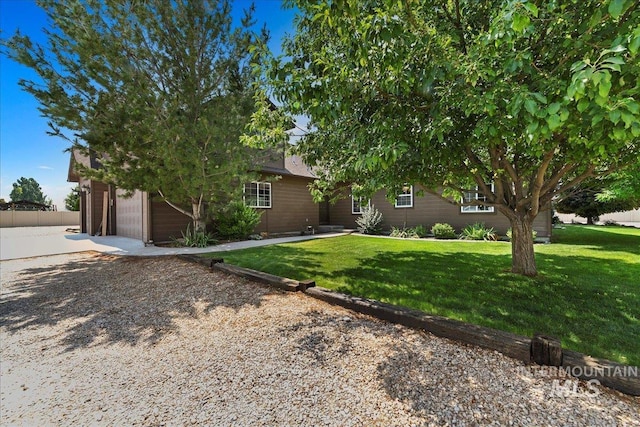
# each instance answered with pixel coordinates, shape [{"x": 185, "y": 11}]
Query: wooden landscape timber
[{"x": 541, "y": 349}]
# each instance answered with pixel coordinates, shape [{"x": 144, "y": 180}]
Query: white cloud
[{"x": 49, "y": 168}]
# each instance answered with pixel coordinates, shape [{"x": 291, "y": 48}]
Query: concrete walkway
[{"x": 27, "y": 242}]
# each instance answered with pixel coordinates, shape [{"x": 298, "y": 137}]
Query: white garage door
[{"x": 129, "y": 215}]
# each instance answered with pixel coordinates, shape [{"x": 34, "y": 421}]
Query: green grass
[{"x": 587, "y": 292}]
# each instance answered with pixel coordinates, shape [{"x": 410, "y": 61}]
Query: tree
[
  {"x": 72, "y": 201},
  {"x": 161, "y": 90},
  {"x": 29, "y": 190},
  {"x": 617, "y": 192},
  {"x": 532, "y": 97}
]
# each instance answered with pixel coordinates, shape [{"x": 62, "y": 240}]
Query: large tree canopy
[
  {"x": 161, "y": 90},
  {"x": 531, "y": 96},
  {"x": 28, "y": 189}
]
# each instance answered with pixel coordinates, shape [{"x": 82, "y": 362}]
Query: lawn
[{"x": 587, "y": 293}]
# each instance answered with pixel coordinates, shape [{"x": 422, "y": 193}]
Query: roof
[
  {"x": 24, "y": 205},
  {"x": 293, "y": 166},
  {"x": 77, "y": 157}
]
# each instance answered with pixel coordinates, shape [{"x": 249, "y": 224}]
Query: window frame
[
  {"x": 360, "y": 205},
  {"x": 403, "y": 194},
  {"x": 259, "y": 185},
  {"x": 472, "y": 209}
]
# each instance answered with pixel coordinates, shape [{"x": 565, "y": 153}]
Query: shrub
[
  {"x": 409, "y": 233},
  {"x": 370, "y": 220},
  {"x": 610, "y": 222},
  {"x": 420, "y": 231},
  {"x": 195, "y": 238},
  {"x": 403, "y": 233},
  {"x": 477, "y": 231},
  {"x": 236, "y": 221},
  {"x": 534, "y": 234},
  {"x": 443, "y": 231}
]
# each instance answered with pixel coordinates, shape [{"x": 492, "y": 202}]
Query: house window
[
  {"x": 470, "y": 197},
  {"x": 357, "y": 203},
  {"x": 258, "y": 194},
  {"x": 405, "y": 199}
]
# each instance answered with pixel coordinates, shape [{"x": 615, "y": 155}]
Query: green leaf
[
  {"x": 531, "y": 106},
  {"x": 553, "y": 108},
  {"x": 614, "y": 60},
  {"x": 616, "y": 7},
  {"x": 583, "y": 104},
  {"x": 554, "y": 122},
  {"x": 634, "y": 46},
  {"x": 627, "y": 118},
  {"x": 619, "y": 133},
  {"x": 531, "y": 8},
  {"x": 540, "y": 97},
  {"x": 520, "y": 22},
  {"x": 633, "y": 106},
  {"x": 604, "y": 88}
]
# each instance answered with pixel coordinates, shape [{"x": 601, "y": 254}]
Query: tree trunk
[
  {"x": 197, "y": 217},
  {"x": 523, "y": 259},
  {"x": 589, "y": 220}
]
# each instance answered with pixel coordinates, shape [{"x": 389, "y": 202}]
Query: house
[
  {"x": 281, "y": 193},
  {"x": 411, "y": 209}
]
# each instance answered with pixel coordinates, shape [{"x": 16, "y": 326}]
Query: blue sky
[{"x": 25, "y": 148}]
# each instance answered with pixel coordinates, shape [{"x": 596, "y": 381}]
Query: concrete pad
[{"x": 27, "y": 242}]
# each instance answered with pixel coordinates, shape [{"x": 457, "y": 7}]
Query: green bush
[
  {"x": 370, "y": 220},
  {"x": 409, "y": 233},
  {"x": 236, "y": 221},
  {"x": 478, "y": 231},
  {"x": 420, "y": 231},
  {"x": 403, "y": 233},
  {"x": 443, "y": 231},
  {"x": 195, "y": 238},
  {"x": 534, "y": 233}
]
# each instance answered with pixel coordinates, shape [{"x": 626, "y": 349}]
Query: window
[
  {"x": 357, "y": 203},
  {"x": 258, "y": 194},
  {"x": 405, "y": 199},
  {"x": 471, "y": 196}
]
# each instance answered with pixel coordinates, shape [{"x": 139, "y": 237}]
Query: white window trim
[
  {"x": 410, "y": 194},
  {"x": 360, "y": 206},
  {"x": 477, "y": 208},
  {"x": 267, "y": 185}
]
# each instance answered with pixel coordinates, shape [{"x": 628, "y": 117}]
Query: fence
[
  {"x": 38, "y": 218},
  {"x": 628, "y": 216}
]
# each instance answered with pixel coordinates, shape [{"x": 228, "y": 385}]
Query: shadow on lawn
[
  {"x": 566, "y": 301},
  {"x": 292, "y": 260},
  {"x": 106, "y": 300}
]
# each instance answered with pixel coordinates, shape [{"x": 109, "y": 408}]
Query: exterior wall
[
  {"x": 166, "y": 222},
  {"x": 129, "y": 214},
  {"x": 38, "y": 218},
  {"x": 427, "y": 210},
  {"x": 292, "y": 207}
]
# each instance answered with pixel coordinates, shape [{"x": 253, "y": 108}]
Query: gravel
[{"x": 99, "y": 340}]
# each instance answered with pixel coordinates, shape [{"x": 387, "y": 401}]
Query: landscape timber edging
[{"x": 614, "y": 375}]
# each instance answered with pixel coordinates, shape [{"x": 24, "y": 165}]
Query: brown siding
[
  {"x": 292, "y": 207},
  {"x": 427, "y": 210},
  {"x": 95, "y": 210},
  {"x": 166, "y": 222}
]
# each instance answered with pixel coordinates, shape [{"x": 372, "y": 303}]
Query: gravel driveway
[{"x": 100, "y": 340}]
